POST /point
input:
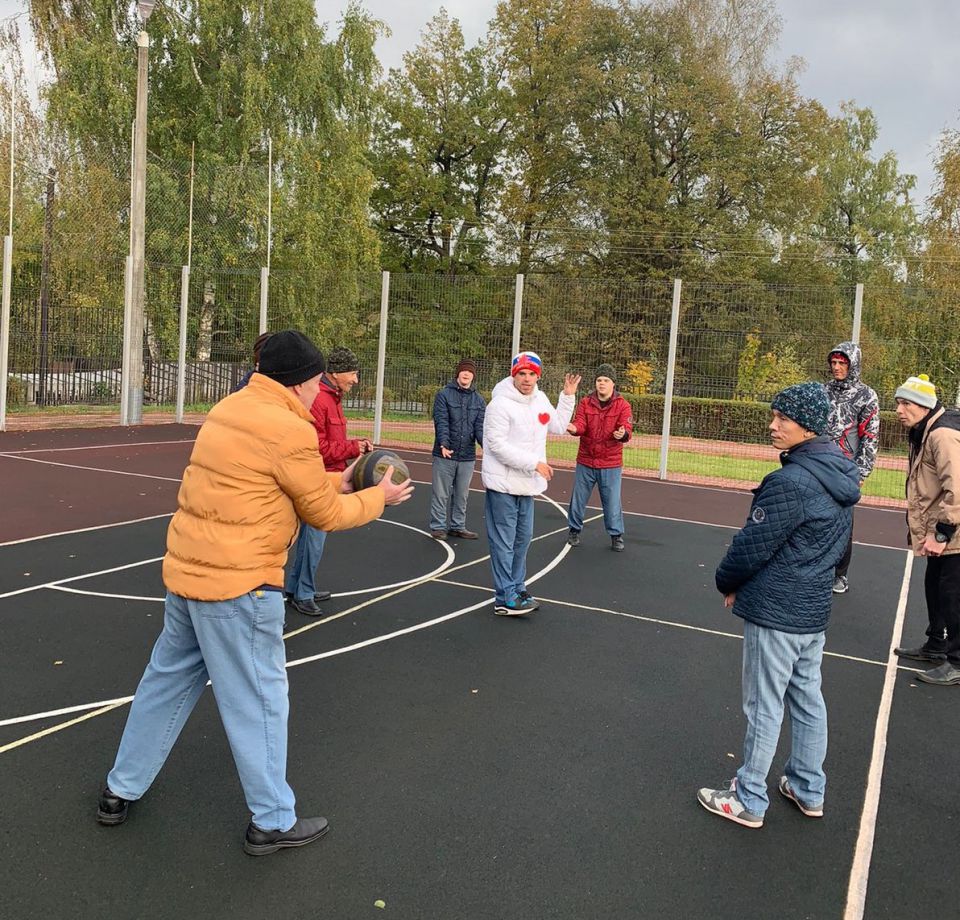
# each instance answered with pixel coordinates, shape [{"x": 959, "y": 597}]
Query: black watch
[{"x": 941, "y": 537}]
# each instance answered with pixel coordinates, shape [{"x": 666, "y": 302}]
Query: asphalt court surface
[{"x": 471, "y": 766}]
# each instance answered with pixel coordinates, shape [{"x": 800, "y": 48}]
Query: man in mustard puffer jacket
[{"x": 254, "y": 471}]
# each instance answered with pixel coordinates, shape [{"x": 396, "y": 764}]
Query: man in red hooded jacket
[
  {"x": 337, "y": 450},
  {"x": 604, "y": 423}
]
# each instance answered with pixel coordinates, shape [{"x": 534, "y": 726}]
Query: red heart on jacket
[{"x": 544, "y": 417}]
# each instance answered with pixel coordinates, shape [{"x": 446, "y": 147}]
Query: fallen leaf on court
[
  {"x": 26, "y": 573},
  {"x": 699, "y": 565},
  {"x": 474, "y": 691},
  {"x": 730, "y": 756},
  {"x": 57, "y": 662},
  {"x": 380, "y": 904}
]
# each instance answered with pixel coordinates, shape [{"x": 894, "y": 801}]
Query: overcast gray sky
[{"x": 899, "y": 57}]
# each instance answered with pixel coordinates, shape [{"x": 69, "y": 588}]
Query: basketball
[{"x": 371, "y": 467}]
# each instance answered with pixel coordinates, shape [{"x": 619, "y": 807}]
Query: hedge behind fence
[{"x": 731, "y": 420}]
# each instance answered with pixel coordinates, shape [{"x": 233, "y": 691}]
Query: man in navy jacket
[
  {"x": 778, "y": 576},
  {"x": 458, "y": 411}
]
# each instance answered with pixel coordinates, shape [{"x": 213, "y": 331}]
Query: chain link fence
[{"x": 736, "y": 343}]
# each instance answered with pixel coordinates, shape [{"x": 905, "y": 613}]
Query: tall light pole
[{"x": 138, "y": 199}]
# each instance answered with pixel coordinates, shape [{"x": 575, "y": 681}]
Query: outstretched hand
[
  {"x": 570, "y": 383},
  {"x": 394, "y": 494}
]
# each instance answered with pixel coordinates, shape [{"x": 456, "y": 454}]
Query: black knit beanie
[
  {"x": 606, "y": 370},
  {"x": 341, "y": 361},
  {"x": 289, "y": 357}
]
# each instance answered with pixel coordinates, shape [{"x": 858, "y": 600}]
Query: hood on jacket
[
  {"x": 853, "y": 354},
  {"x": 826, "y": 463},
  {"x": 506, "y": 388}
]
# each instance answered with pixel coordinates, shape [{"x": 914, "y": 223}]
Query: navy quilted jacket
[
  {"x": 458, "y": 421},
  {"x": 781, "y": 563}
]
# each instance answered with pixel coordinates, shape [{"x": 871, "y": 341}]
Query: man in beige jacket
[
  {"x": 254, "y": 471},
  {"x": 933, "y": 516}
]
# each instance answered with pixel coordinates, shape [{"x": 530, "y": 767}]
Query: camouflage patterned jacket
[{"x": 854, "y": 413}]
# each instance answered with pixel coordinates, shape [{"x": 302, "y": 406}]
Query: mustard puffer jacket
[{"x": 254, "y": 470}]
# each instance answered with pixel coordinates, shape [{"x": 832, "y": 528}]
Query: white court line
[
  {"x": 88, "y": 469},
  {"x": 863, "y": 854},
  {"x": 56, "y": 450},
  {"x": 659, "y": 622},
  {"x": 443, "y": 567},
  {"x": 63, "y": 581},
  {"x": 67, "y": 533}
]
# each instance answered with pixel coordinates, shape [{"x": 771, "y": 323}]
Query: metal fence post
[
  {"x": 381, "y": 356},
  {"x": 5, "y": 327},
  {"x": 264, "y": 294},
  {"x": 125, "y": 358},
  {"x": 857, "y": 314},
  {"x": 182, "y": 349},
  {"x": 668, "y": 391},
  {"x": 517, "y": 316}
]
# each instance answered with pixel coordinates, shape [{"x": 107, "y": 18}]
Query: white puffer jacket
[{"x": 515, "y": 437}]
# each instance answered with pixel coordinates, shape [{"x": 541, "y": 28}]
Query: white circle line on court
[
  {"x": 107, "y": 705},
  {"x": 439, "y": 570}
]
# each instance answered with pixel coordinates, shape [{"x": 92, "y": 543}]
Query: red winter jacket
[
  {"x": 336, "y": 449},
  {"x": 595, "y": 423}
]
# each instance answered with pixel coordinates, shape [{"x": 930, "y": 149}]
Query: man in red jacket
[
  {"x": 337, "y": 451},
  {"x": 604, "y": 423}
]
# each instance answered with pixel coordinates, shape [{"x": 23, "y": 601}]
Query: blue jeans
[
  {"x": 607, "y": 482},
  {"x": 300, "y": 581},
  {"x": 238, "y": 645},
  {"x": 509, "y": 521},
  {"x": 451, "y": 488},
  {"x": 780, "y": 666}
]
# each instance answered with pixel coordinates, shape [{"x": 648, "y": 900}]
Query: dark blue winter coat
[
  {"x": 781, "y": 564},
  {"x": 458, "y": 421}
]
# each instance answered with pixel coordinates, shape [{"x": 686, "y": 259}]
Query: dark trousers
[
  {"x": 942, "y": 586},
  {"x": 844, "y": 562}
]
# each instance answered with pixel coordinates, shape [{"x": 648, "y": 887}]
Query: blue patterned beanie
[{"x": 806, "y": 403}]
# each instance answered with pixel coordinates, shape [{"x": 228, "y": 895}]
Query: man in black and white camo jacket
[{"x": 854, "y": 426}]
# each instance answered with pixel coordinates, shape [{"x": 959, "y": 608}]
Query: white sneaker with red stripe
[{"x": 726, "y": 804}]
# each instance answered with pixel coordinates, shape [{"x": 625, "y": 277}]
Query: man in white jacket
[{"x": 515, "y": 470}]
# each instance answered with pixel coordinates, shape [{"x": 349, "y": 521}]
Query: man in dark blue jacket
[
  {"x": 778, "y": 576},
  {"x": 458, "y": 420}
]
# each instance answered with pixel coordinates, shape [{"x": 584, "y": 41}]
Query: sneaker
[
  {"x": 517, "y": 607},
  {"x": 438, "y": 534},
  {"x": 616, "y": 543},
  {"x": 111, "y": 809},
  {"x": 258, "y": 842},
  {"x": 946, "y": 675},
  {"x": 464, "y": 534},
  {"x": 573, "y": 538},
  {"x": 724, "y": 802},
  {"x": 811, "y": 811},
  {"x": 841, "y": 585},
  {"x": 920, "y": 654}
]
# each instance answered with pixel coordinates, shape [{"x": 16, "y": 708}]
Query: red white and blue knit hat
[{"x": 526, "y": 361}]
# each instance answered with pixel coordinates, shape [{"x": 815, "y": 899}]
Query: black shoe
[
  {"x": 111, "y": 809},
  {"x": 463, "y": 534},
  {"x": 307, "y": 606},
  {"x": 616, "y": 543},
  {"x": 920, "y": 654},
  {"x": 946, "y": 675},
  {"x": 322, "y": 596},
  {"x": 573, "y": 538},
  {"x": 263, "y": 843}
]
